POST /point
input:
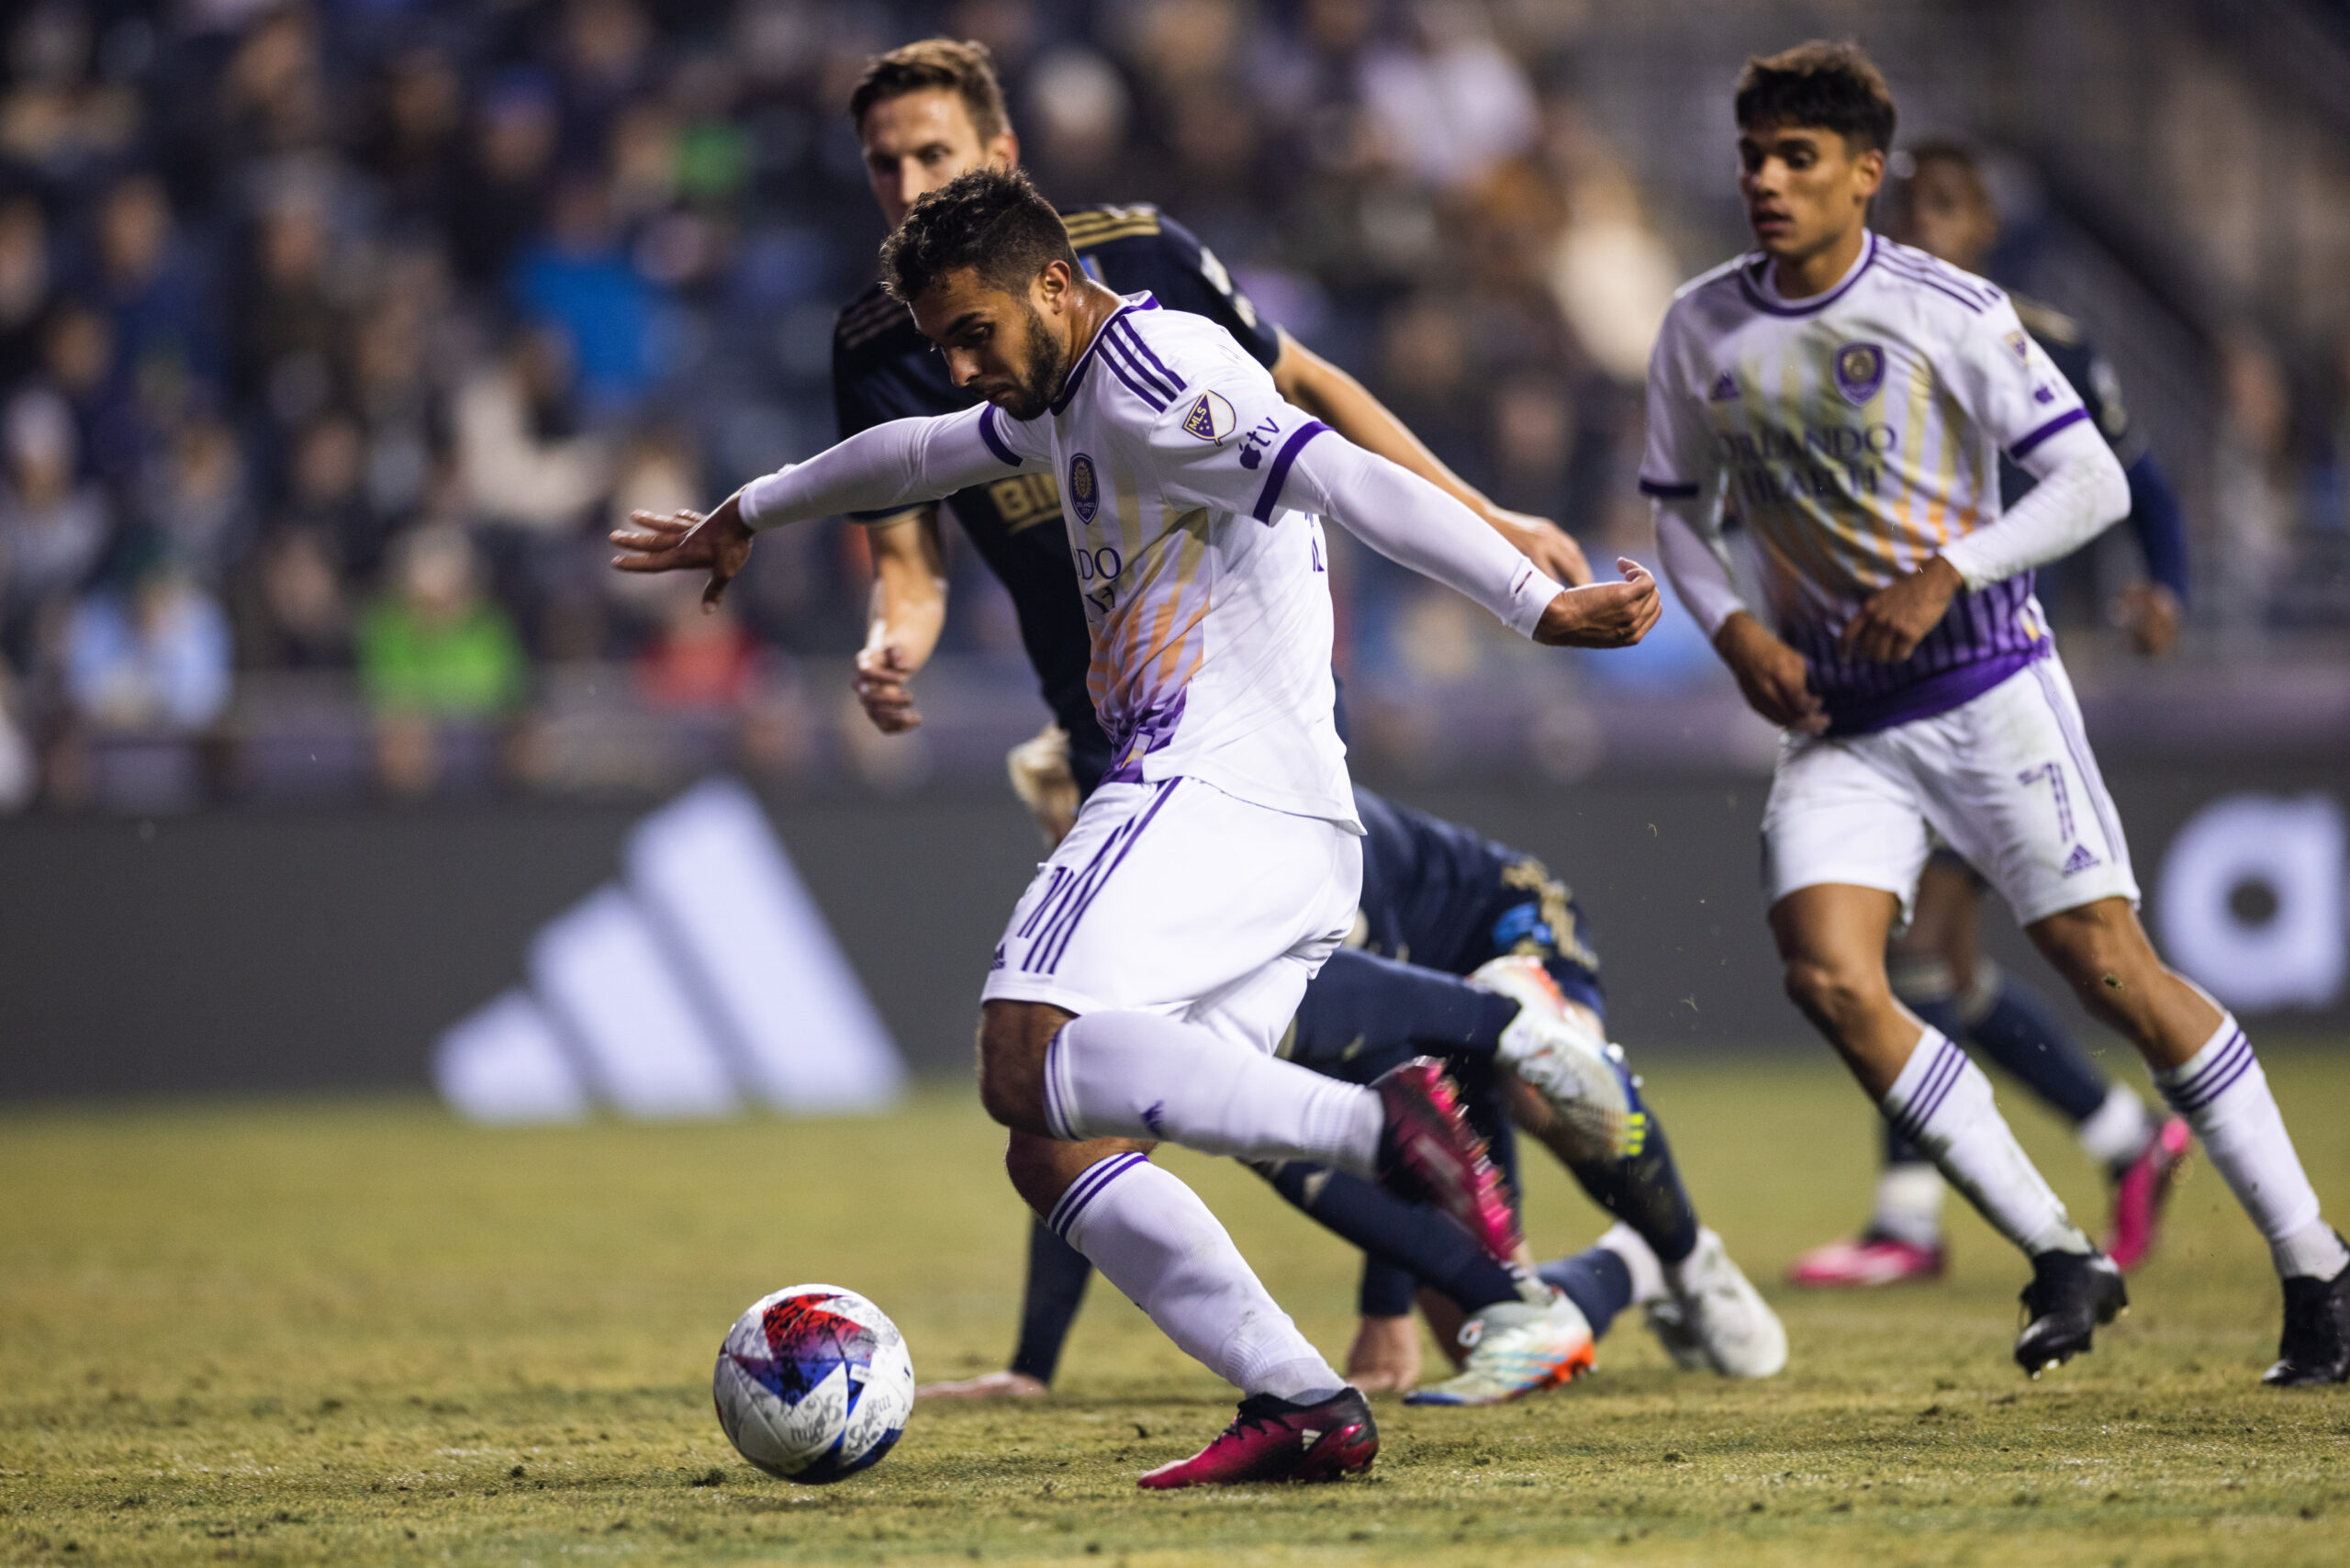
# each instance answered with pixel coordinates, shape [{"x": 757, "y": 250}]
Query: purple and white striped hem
[
  {"x": 2213, "y": 1079},
  {"x": 1089, "y": 1185}
]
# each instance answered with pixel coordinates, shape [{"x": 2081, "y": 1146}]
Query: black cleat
[
  {"x": 2315, "y": 1348},
  {"x": 2070, "y": 1294}
]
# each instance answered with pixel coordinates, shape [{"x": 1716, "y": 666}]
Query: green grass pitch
[{"x": 342, "y": 1332}]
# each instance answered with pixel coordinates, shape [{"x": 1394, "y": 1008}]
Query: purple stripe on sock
[
  {"x": 1940, "y": 1079},
  {"x": 2219, "y": 1061},
  {"x": 1059, "y": 944},
  {"x": 2235, "y": 1058},
  {"x": 1089, "y": 1187}
]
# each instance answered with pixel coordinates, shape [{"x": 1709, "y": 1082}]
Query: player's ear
[
  {"x": 1869, "y": 169},
  {"x": 1053, "y": 284},
  {"x": 1001, "y": 151}
]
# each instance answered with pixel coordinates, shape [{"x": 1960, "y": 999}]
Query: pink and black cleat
[
  {"x": 1868, "y": 1260},
  {"x": 1428, "y": 1154},
  {"x": 1272, "y": 1439},
  {"x": 2139, "y": 1195}
]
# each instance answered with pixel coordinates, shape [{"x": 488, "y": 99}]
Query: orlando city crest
[
  {"x": 1860, "y": 370},
  {"x": 1084, "y": 489}
]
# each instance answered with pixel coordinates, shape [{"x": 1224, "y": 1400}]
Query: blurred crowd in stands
[{"x": 333, "y": 336}]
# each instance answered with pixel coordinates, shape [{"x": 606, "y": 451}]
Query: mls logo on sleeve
[
  {"x": 1210, "y": 418},
  {"x": 1860, "y": 370},
  {"x": 1084, "y": 490}
]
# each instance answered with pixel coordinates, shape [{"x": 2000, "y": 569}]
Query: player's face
[
  {"x": 1805, "y": 187},
  {"x": 917, "y": 142},
  {"x": 1012, "y": 349},
  {"x": 1945, "y": 212}
]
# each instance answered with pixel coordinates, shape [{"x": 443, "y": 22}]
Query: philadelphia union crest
[
  {"x": 1084, "y": 489},
  {"x": 1860, "y": 370}
]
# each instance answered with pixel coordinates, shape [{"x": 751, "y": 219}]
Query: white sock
[
  {"x": 2117, "y": 1130},
  {"x": 1639, "y": 1261},
  {"x": 1153, "y": 1238},
  {"x": 1138, "y": 1075},
  {"x": 1943, "y": 1103},
  {"x": 2224, "y": 1096},
  {"x": 1909, "y": 1204}
]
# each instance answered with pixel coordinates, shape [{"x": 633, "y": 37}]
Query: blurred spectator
[
  {"x": 522, "y": 463},
  {"x": 291, "y": 609},
  {"x": 434, "y": 652},
  {"x": 53, "y": 118},
  {"x": 53, "y": 526},
  {"x": 501, "y": 193},
  {"x": 150, "y": 654},
  {"x": 699, "y": 660},
  {"x": 195, "y": 498},
  {"x": 579, "y": 280},
  {"x": 1448, "y": 101},
  {"x": 147, "y": 282},
  {"x": 434, "y": 646},
  {"x": 24, "y": 285},
  {"x": 291, "y": 323}
]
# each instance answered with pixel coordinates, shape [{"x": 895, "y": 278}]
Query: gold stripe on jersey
[{"x": 1093, "y": 224}]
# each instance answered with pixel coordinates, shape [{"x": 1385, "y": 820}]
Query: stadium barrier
[{"x": 335, "y": 948}]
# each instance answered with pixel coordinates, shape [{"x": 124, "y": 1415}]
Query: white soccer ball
[{"x": 813, "y": 1384}]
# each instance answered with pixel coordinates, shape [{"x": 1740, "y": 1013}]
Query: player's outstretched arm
[
  {"x": 1408, "y": 520},
  {"x": 886, "y": 468},
  {"x": 1347, "y": 405}
]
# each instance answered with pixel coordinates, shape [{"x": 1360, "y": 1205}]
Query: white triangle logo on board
[{"x": 706, "y": 979}]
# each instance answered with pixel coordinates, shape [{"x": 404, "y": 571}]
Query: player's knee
[{"x": 1837, "y": 993}]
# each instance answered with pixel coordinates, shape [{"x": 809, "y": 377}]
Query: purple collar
[{"x": 1748, "y": 280}]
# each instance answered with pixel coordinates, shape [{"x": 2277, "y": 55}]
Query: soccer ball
[{"x": 813, "y": 1384}]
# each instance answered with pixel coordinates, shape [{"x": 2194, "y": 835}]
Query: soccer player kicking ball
[
  {"x": 1852, "y": 399},
  {"x": 1145, "y": 974}
]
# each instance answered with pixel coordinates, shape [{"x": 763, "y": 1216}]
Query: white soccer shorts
[
  {"x": 2008, "y": 780},
  {"x": 1177, "y": 899}
]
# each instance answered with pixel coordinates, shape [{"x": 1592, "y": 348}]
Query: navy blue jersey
[
  {"x": 1445, "y": 897},
  {"x": 2154, "y": 512},
  {"x": 883, "y": 369}
]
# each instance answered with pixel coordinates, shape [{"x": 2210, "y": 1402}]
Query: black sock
[
  {"x": 1429, "y": 1244},
  {"x": 1595, "y": 1279},
  {"x": 1644, "y": 1191},
  {"x": 2022, "y": 1034},
  {"x": 1056, "y": 1277}
]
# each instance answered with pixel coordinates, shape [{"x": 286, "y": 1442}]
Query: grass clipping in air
[{"x": 346, "y": 1332}]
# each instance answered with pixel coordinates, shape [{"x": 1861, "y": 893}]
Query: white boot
[{"x": 1711, "y": 1317}]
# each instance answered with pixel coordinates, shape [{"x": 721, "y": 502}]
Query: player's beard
[{"x": 1041, "y": 372}]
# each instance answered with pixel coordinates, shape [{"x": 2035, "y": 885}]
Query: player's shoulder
[
  {"x": 867, "y": 323},
  {"x": 1712, "y": 303},
  {"x": 1941, "y": 294},
  {"x": 1106, "y": 223}
]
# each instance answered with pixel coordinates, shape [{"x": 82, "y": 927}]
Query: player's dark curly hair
[
  {"x": 989, "y": 220},
  {"x": 1833, "y": 85}
]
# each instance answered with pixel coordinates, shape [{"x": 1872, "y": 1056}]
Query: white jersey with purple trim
[
  {"x": 1206, "y": 597},
  {"x": 1857, "y": 432}
]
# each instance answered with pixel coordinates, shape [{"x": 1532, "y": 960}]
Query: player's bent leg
[
  {"x": 1833, "y": 939},
  {"x": 2207, "y": 1069}
]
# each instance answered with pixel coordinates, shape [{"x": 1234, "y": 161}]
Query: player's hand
[
  {"x": 1772, "y": 677},
  {"x": 882, "y": 673},
  {"x": 2150, "y": 613},
  {"x": 1605, "y": 615},
  {"x": 1545, "y": 544},
  {"x": 1897, "y": 616},
  {"x": 688, "y": 541}
]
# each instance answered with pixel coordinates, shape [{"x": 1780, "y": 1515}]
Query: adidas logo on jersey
[
  {"x": 2080, "y": 859},
  {"x": 1724, "y": 389}
]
